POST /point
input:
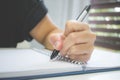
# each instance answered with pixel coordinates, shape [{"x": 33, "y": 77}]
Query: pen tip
[{"x": 54, "y": 54}]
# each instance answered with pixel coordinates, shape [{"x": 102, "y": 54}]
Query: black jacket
[{"x": 17, "y": 18}]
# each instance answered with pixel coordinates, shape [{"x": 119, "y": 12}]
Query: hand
[{"x": 77, "y": 41}]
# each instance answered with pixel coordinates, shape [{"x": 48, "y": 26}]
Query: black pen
[{"x": 80, "y": 18}]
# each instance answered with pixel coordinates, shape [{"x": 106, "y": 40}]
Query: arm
[{"x": 41, "y": 32}]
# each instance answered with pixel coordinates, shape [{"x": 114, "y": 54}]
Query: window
[{"x": 105, "y": 22}]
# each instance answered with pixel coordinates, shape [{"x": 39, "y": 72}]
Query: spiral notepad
[
  {"x": 56, "y": 56},
  {"x": 66, "y": 59},
  {"x": 34, "y": 64}
]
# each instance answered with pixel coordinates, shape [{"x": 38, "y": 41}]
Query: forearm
[{"x": 42, "y": 31}]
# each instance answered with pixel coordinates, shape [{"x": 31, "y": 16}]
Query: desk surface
[{"x": 113, "y": 75}]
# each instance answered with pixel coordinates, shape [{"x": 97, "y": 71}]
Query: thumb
[{"x": 56, "y": 40}]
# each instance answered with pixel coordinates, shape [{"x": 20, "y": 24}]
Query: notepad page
[
  {"x": 23, "y": 62},
  {"x": 104, "y": 59}
]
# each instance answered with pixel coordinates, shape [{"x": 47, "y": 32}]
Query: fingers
[
  {"x": 73, "y": 26},
  {"x": 81, "y": 52},
  {"x": 79, "y": 41},
  {"x": 77, "y": 38},
  {"x": 80, "y": 49},
  {"x": 81, "y": 58}
]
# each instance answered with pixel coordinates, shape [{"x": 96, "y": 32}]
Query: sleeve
[{"x": 36, "y": 11}]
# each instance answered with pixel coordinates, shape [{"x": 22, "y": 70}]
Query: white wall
[{"x": 62, "y": 10}]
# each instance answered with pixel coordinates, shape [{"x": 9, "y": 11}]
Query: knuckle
[
  {"x": 68, "y": 24},
  {"x": 72, "y": 36},
  {"x": 91, "y": 35}
]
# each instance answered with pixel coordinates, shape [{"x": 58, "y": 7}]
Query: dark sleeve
[{"x": 35, "y": 11}]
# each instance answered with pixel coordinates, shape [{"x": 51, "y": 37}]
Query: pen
[{"x": 80, "y": 17}]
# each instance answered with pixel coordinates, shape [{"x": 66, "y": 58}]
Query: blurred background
[{"x": 104, "y": 20}]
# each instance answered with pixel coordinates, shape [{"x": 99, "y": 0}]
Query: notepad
[{"x": 29, "y": 63}]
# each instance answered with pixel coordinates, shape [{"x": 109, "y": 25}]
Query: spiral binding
[{"x": 66, "y": 59}]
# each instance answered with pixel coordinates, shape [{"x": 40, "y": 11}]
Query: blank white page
[
  {"x": 23, "y": 62},
  {"x": 102, "y": 58}
]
